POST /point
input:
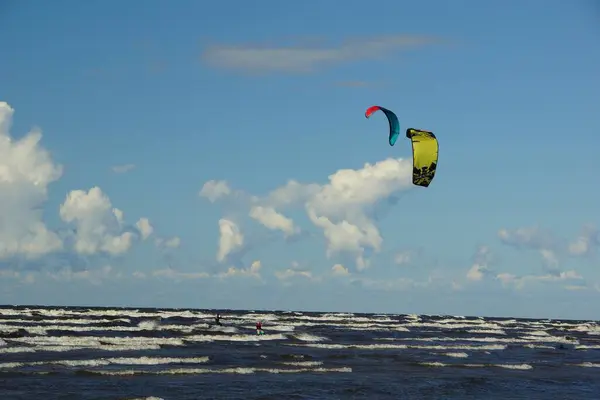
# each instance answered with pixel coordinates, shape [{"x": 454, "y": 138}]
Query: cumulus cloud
[
  {"x": 481, "y": 264},
  {"x": 121, "y": 169},
  {"x": 339, "y": 207},
  {"x": 170, "y": 243},
  {"x": 527, "y": 237},
  {"x": 170, "y": 273},
  {"x": 293, "y": 273},
  {"x": 144, "y": 227},
  {"x": 339, "y": 270},
  {"x": 300, "y": 59},
  {"x": 550, "y": 248},
  {"x": 230, "y": 239},
  {"x": 252, "y": 271},
  {"x": 26, "y": 171},
  {"x": 99, "y": 226},
  {"x": 520, "y": 281},
  {"x": 534, "y": 238},
  {"x": 214, "y": 190},
  {"x": 586, "y": 242},
  {"x": 273, "y": 220}
]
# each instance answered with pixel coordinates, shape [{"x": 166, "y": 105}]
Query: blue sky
[{"x": 140, "y": 107}]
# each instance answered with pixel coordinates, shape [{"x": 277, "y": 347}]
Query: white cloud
[
  {"x": 527, "y": 237},
  {"x": 121, "y": 169},
  {"x": 99, "y": 225},
  {"x": 139, "y": 275},
  {"x": 293, "y": 273},
  {"x": 403, "y": 257},
  {"x": 586, "y": 243},
  {"x": 550, "y": 248},
  {"x": 26, "y": 170},
  {"x": 252, "y": 271},
  {"x": 550, "y": 258},
  {"x": 231, "y": 238},
  {"x": 292, "y": 193},
  {"x": 145, "y": 228},
  {"x": 338, "y": 207},
  {"x": 171, "y": 243},
  {"x": 534, "y": 238},
  {"x": 304, "y": 59},
  {"x": 480, "y": 267},
  {"x": 339, "y": 270},
  {"x": 273, "y": 220},
  {"x": 579, "y": 246},
  {"x": 214, "y": 190},
  {"x": 170, "y": 273},
  {"x": 520, "y": 281},
  {"x": 576, "y": 287}
]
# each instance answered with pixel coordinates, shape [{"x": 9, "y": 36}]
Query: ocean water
[{"x": 102, "y": 353}]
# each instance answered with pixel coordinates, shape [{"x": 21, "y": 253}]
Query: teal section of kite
[{"x": 392, "y": 119}]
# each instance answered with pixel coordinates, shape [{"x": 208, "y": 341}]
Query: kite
[
  {"x": 392, "y": 119},
  {"x": 425, "y": 150}
]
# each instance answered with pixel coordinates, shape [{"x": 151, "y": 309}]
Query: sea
[{"x": 123, "y": 353}]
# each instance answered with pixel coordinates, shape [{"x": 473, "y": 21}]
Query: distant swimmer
[
  {"x": 259, "y": 330},
  {"x": 218, "y": 319}
]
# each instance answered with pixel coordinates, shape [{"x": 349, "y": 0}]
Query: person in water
[
  {"x": 218, "y": 319},
  {"x": 259, "y": 330}
]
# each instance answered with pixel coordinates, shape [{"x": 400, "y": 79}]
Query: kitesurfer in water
[
  {"x": 218, "y": 319},
  {"x": 259, "y": 328}
]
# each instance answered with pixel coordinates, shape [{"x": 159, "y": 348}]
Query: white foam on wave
[
  {"x": 400, "y": 346},
  {"x": 589, "y": 328},
  {"x": 524, "y": 339},
  {"x": 453, "y": 326},
  {"x": 110, "y": 361},
  {"x": 487, "y": 331},
  {"x": 303, "y": 363},
  {"x": 234, "y": 338},
  {"x": 146, "y": 325},
  {"x": 538, "y": 333},
  {"x": 278, "y": 328},
  {"x": 97, "y": 341},
  {"x": 537, "y": 346},
  {"x": 17, "y": 349},
  {"x": 238, "y": 370},
  {"x": 147, "y": 398},
  {"x": 522, "y": 367},
  {"x": 306, "y": 337},
  {"x": 456, "y": 355},
  {"x": 587, "y": 347},
  {"x": 68, "y": 321},
  {"x": 589, "y": 365}
]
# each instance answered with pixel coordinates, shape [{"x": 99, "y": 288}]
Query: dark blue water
[{"x": 82, "y": 353}]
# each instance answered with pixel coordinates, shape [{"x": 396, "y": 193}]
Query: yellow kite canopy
[{"x": 425, "y": 155}]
